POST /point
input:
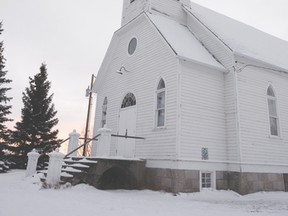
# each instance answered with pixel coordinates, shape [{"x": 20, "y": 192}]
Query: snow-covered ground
[{"x": 24, "y": 196}]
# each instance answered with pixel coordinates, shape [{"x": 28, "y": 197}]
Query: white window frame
[
  {"x": 127, "y": 96},
  {"x": 157, "y": 110},
  {"x": 129, "y": 43},
  {"x": 104, "y": 115},
  {"x": 276, "y": 116},
  {"x": 212, "y": 179}
]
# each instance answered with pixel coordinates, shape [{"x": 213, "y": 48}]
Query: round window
[{"x": 132, "y": 46}]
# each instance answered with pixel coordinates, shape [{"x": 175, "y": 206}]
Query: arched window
[
  {"x": 129, "y": 100},
  {"x": 104, "y": 112},
  {"x": 160, "y": 108},
  {"x": 273, "y": 115}
]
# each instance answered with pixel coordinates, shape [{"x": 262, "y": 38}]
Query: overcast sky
[{"x": 72, "y": 36}]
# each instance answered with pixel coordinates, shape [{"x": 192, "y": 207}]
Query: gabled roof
[
  {"x": 183, "y": 42},
  {"x": 243, "y": 39}
]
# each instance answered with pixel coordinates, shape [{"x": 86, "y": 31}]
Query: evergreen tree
[
  {"x": 4, "y": 108},
  {"x": 35, "y": 130}
]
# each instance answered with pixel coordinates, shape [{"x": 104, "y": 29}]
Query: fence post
[
  {"x": 73, "y": 142},
  {"x": 104, "y": 142},
  {"x": 32, "y": 162},
  {"x": 54, "y": 168}
]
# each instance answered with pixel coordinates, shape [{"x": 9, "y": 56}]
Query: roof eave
[
  {"x": 214, "y": 67},
  {"x": 258, "y": 62}
]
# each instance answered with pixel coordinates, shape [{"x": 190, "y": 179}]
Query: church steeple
[
  {"x": 170, "y": 8},
  {"x": 132, "y": 8}
]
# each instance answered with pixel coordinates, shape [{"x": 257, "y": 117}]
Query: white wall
[
  {"x": 131, "y": 10},
  {"x": 257, "y": 144},
  {"x": 170, "y": 8},
  {"x": 202, "y": 113},
  {"x": 224, "y": 55},
  {"x": 152, "y": 59}
]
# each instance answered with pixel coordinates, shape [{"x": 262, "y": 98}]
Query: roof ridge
[{"x": 209, "y": 29}]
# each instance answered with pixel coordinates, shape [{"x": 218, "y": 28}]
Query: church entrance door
[{"x": 127, "y": 126}]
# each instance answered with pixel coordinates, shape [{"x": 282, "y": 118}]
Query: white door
[{"x": 127, "y": 125}]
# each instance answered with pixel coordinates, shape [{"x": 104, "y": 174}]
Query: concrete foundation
[
  {"x": 113, "y": 174},
  {"x": 222, "y": 180},
  {"x": 286, "y": 181},
  {"x": 245, "y": 183},
  {"x": 133, "y": 174},
  {"x": 188, "y": 181},
  {"x": 172, "y": 180}
]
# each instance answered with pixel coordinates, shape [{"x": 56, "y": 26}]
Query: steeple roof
[{"x": 243, "y": 39}]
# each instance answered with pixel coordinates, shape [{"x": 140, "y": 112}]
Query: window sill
[
  {"x": 275, "y": 137},
  {"x": 159, "y": 128}
]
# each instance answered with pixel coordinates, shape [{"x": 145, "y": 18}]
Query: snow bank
[{"x": 24, "y": 196}]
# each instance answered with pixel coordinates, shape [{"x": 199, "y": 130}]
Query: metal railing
[
  {"x": 63, "y": 141},
  {"x": 127, "y": 137},
  {"x": 95, "y": 138},
  {"x": 43, "y": 151},
  {"x": 79, "y": 147}
]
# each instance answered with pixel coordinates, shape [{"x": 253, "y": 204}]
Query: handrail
[
  {"x": 80, "y": 138},
  {"x": 66, "y": 156},
  {"x": 127, "y": 137},
  {"x": 58, "y": 145},
  {"x": 63, "y": 141}
]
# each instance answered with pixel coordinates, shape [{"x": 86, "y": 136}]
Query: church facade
[{"x": 208, "y": 94}]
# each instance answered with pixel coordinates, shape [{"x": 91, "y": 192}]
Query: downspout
[
  {"x": 238, "y": 123},
  {"x": 178, "y": 112},
  {"x": 175, "y": 188}
]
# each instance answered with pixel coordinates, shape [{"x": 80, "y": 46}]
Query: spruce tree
[
  {"x": 4, "y": 99},
  {"x": 35, "y": 130}
]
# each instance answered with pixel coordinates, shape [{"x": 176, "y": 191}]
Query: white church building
[{"x": 209, "y": 95}]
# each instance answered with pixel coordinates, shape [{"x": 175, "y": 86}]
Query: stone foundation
[
  {"x": 222, "y": 180},
  {"x": 113, "y": 174},
  {"x": 286, "y": 181},
  {"x": 125, "y": 174},
  {"x": 172, "y": 180},
  {"x": 245, "y": 183},
  {"x": 189, "y": 181}
]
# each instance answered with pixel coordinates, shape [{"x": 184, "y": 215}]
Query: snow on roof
[
  {"x": 243, "y": 39},
  {"x": 183, "y": 41}
]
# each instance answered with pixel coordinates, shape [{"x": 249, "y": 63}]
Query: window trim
[
  {"x": 125, "y": 95},
  {"x": 129, "y": 42},
  {"x": 156, "y": 110},
  {"x": 212, "y": 178},
  {"x": 274, "y": 99}
]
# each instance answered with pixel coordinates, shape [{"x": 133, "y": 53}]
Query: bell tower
[
  {"x": 132, "y": 8},
  {"x": 169, "y": 8}
]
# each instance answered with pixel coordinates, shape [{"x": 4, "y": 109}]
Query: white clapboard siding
[
  {"x": 152, "y": 59},
  {"x": 169, "y": 8},
  {"x": 256, "y": 143},
  {"x": 131, "y": 10},
  {"x": 202, "y": 113},
  {"x": 224, "y": 55},
  {"x": 233, "y": 149}
]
